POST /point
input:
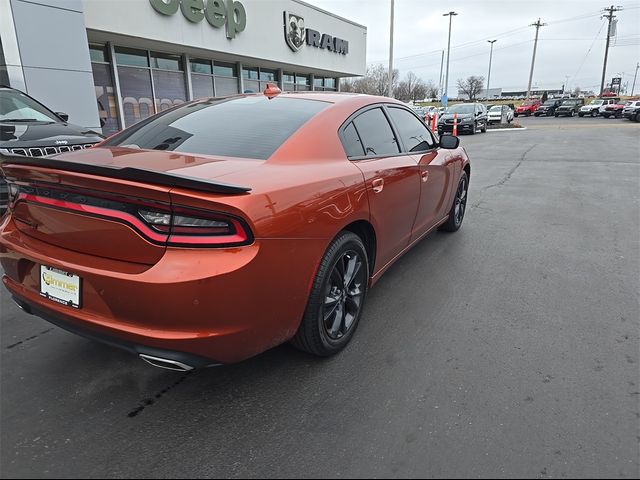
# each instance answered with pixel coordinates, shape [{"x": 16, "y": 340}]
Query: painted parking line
[{"x": 600, "y": 125}]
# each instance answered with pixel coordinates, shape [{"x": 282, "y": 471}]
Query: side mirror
[
  {"x": 449, "y": 142},
  {"x": 63, "y": 116}
]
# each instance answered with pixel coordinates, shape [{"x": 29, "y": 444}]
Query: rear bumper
[
  {"x": 72, "y": 325},
  {"x": 224, "y": 305}
]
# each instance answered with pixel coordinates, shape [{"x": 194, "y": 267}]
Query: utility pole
[
  {"x": 538, "y": 24},
  {"x": 634, "y": 79},
  {"x": 391, "y": 53},
  {"x": 489, "y": 74},
  {"x": 609, "y": 17},
  {"x": 446, "y": 80},
  {"x": 566, "y": 83},
  {"x": 440, "y": 77}
]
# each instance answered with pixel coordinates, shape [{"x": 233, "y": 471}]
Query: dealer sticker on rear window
[{"x": 60, "y": 286}]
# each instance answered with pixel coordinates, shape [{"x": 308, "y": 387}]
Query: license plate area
[{"x": 60, "y": 286}]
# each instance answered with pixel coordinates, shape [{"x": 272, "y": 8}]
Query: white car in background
[{"x": 495, "y": 114}]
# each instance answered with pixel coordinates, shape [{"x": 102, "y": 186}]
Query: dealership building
[{"x": 111, "y": 63}]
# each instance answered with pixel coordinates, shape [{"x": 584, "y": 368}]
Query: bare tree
[
  {"x": 411, "y": 88},
  {"x": 472, "y": 86},
  {"x": 432, "y": 90},
  {"x": 375, "y": 82}
]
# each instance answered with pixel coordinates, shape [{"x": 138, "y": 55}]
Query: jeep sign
[{"x": 217, "y": 12}]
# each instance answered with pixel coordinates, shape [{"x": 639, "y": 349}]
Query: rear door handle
[{"x": 378, "y": 185}]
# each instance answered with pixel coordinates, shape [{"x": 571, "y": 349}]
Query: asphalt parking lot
[{"x": 508, "y": 349}]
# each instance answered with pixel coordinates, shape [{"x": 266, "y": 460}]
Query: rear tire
[
  {"x": 337, "y": 298},
  {"x": 459, "y": 207},
  {"x": 581, "y": 114},
  {"x": 594, "y": 113}
]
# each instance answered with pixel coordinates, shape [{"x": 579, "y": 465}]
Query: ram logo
[{"x": 294, "y": 31}]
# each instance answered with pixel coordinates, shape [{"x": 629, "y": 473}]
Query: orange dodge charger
[{"x": 223, "y": 227}]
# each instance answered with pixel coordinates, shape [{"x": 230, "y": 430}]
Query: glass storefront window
[
  {"x": 166, "y": 61},
  {"x": 302, "y": 82},
  {"x": 251, "y": 86},
  {"x": 251, "y": 73},
  {"x": 106, "y": 100},
  {"x": 137, "y": 96},
  {"x": 201, "y": 66},
  {"x": 224, "y": 69},
  {"x": 226, "y": 86},
  {"x": 318, "y": 83},
  {"x": 202, "y": 86},
  {"x": 268, "y": 75},
  {"x": 131, "y": 56},
  {"x": 169, "y": 89},
  {"x": 330, "y": 83},
  {"x": 98, "y": 53}
]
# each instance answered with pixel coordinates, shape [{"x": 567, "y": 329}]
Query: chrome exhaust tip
[{"x": 166, "y": 363}]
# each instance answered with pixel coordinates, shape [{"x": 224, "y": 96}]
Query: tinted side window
[
  {"x": 376, "y": 134},
  {"x": 414, "y": 133},
  {"x": 351, "y": 142},
  {"x": 247, "y": 127}
]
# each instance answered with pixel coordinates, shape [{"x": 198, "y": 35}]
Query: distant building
[
  {"x": 538, "y": 92},
  {"x": 493, "y": 93}
]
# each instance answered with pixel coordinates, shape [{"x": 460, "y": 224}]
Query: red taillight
[
  {"x": 160, "y": 223},
  {"x": 187, "y": 227}
]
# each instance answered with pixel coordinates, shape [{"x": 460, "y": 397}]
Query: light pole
[
  {"x": 446, "y": 80},
  {"x": 440, "y": 77},
  {"x": 489, "y": 74},
  {"x": 391, "y": 53},
  {"x": 633, "y": 88}
]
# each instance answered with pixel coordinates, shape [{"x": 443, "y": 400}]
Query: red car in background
[
  {"x": 613, "y": 110},
  {"x": 223, "y": 227},
  {"x": 528, "y": 108}
]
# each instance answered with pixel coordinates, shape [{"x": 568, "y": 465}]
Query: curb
[{"x": 505, "y": 129}]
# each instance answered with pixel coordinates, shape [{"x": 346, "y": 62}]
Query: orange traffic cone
[{"x": 455, "y": 124}]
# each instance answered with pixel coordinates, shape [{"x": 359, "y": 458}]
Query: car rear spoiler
[{"x": 126, "y": 173}]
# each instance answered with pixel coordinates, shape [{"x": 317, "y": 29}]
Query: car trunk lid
[{"x": 91, "y": 203}]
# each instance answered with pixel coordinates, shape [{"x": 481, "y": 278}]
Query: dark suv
[
  {"x": 569, "y": 107},
  {"x": 472, "y": 118},
  {"x": 548, "y": 108},
  {"x": 29, "y": 128}
]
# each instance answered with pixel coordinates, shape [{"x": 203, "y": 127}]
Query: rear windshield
[{"x": 246, "y": 127}]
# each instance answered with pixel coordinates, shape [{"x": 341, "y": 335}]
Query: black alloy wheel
[
  {"x": 343, "y": 295},
  {"x": 337, "y": 297},
  {"x": 459, "y": 207}
]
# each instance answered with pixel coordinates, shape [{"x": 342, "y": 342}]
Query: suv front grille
[{"x": 44, "y": 151}]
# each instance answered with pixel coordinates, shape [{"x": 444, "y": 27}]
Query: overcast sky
[{"x": 572, "y": 44}]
